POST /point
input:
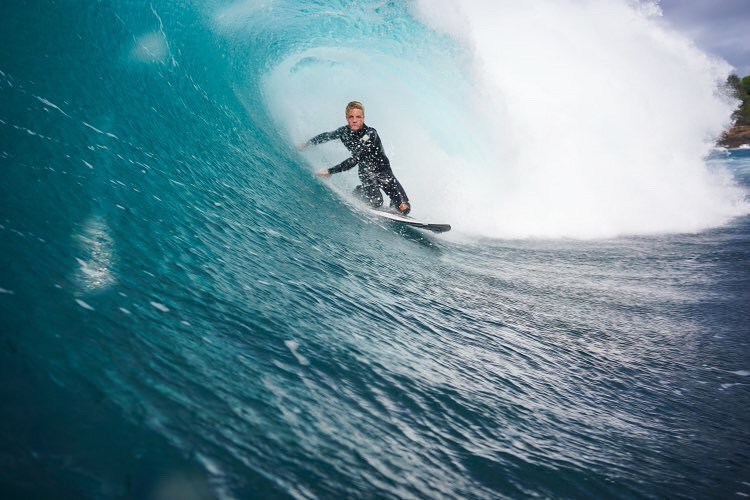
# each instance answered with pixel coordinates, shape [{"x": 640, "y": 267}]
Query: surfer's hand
[{"x": 324, "y": 173}]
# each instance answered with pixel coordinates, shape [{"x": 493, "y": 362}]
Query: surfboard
[{"x": 411, "y": 221}]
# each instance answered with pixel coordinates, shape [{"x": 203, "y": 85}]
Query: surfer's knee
[{"x": 375, "y": 202}]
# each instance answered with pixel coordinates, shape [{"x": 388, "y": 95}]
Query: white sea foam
[
  {"x": 151, "y": 48},
  {"x": 50, "y": 104},
  {"x": 238, "y": 13},
  {"x": 84, "y": 304},
  {"x": 97, "y": 250},
  {"x": 159, "y": 306},
  {"x": 292, "y": 345},
  {"x": 601, "y": 119}
]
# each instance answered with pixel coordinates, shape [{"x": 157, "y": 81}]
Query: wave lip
[{"x": 606, "y": 117}]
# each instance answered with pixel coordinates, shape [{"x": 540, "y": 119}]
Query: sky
[{"x": 719, "y": 27}]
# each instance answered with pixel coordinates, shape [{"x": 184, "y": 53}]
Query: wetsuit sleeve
[
  {"x": 369, "y": 146},
  {"x": 344, "y": 165},
  {"x": 326, "y": 136}
]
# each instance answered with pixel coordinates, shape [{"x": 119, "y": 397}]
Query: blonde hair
[{"x": 354, "y": 105}]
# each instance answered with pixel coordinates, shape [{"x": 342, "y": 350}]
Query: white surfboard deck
[{"x": 411, "y": 221}]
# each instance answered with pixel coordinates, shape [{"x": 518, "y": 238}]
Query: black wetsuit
[{"x": 374, "y": 168}]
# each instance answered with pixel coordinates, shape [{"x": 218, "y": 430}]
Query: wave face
[
  {"x": 579, "y": 119},
  {"x": 186, "y": 310}
]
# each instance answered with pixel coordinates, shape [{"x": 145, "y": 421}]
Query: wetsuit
[{"x": 374, "y": 168}]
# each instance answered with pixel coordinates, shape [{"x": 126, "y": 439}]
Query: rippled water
[{"x": 185, "y": 310}]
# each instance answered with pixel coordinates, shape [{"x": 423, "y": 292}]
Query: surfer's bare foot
[{"x": 404, "y": 208}]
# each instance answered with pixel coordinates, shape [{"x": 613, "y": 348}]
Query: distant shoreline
[{"x": 737, "y": 136}]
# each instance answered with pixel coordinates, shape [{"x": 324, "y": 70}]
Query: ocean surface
[{"x": 187, "y": 311}]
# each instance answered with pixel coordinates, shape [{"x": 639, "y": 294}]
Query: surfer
[{"x": 367, "y": 150}]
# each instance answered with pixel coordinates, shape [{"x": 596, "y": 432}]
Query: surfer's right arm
[{"x": 321, "y": 138}]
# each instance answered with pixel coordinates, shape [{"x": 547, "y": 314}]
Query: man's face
[{"x": 355, "y": 118}]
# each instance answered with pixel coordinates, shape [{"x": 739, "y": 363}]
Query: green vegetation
[{"x": 740, "y": 88}]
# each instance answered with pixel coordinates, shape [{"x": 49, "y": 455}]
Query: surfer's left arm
[{"x": 341, "y": 167}]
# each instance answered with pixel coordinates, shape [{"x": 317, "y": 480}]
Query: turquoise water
[{"x": 186, "y": 310}]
